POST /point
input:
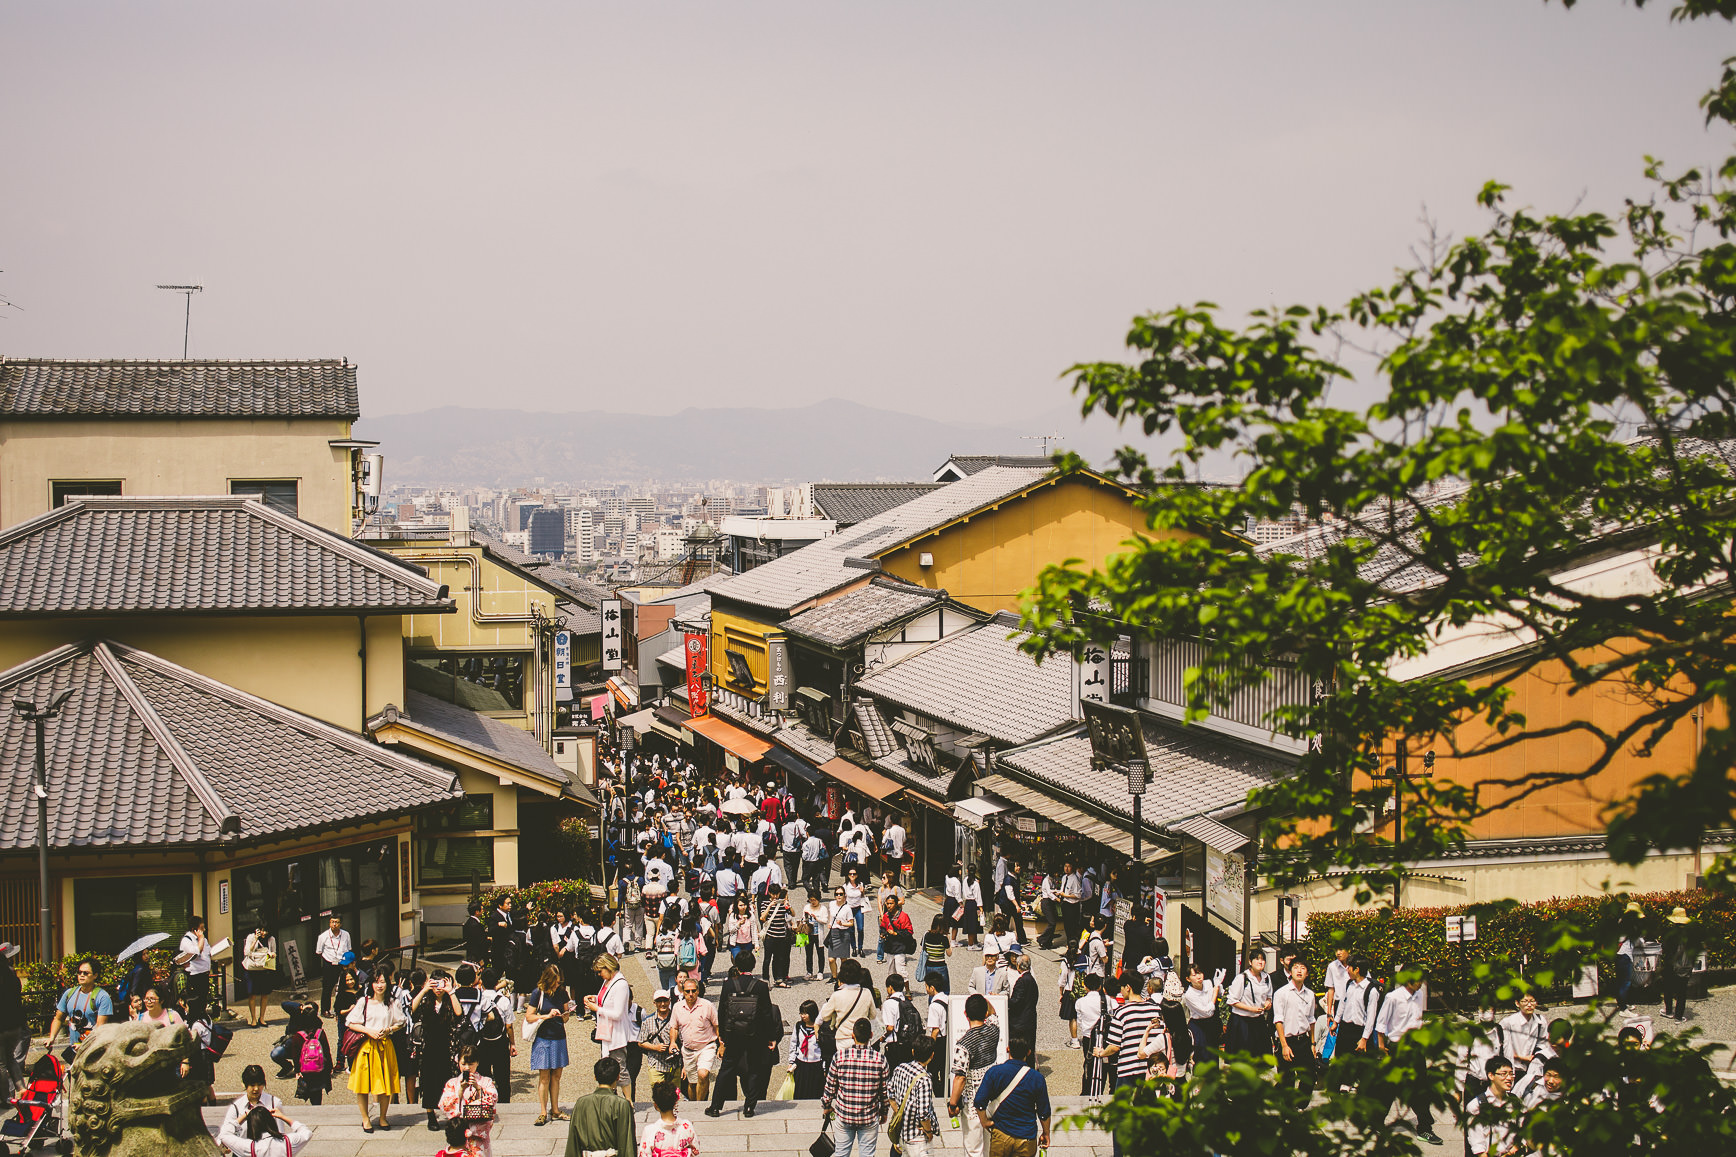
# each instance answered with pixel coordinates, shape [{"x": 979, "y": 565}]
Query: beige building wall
[
  {"x": 308, "y": 663},
  {"x": 177, "y": 457}
]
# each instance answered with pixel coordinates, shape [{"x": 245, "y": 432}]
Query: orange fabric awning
[
  {"x": 869, "y": 783},
  {"x": 729, "y": 737}
]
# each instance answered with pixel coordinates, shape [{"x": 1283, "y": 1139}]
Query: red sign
[{"x": 697, "y": 665}]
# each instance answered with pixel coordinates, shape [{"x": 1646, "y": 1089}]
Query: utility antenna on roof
[
  {"x": 187, "y": 329},
  {"x": 1044, "y": 438}
]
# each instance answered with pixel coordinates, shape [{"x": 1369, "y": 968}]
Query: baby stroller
[{"x": 41, "y": 1111}]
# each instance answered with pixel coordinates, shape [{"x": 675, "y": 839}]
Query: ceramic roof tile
[
  {"x": 219, "y": 554},
  {"x": 147, "y": 753},
  {"x": 899, "y": 767},
  {"x": 53, "y": 388},
  {"x": 492, "y": 737},
  {"x": 848, "y": 503},
  {"x": 821, "y": 567},
  {"x": 858, "y": 614},
  {"x": 1192, "y": 772},
  {"x": 978, "y": 680},
  {"x": 977, "y": 463}
]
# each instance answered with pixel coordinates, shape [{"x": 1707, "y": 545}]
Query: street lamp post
[{"x": 27, "y": 711}]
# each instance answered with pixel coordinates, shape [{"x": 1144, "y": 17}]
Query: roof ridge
[
  {"x": 374, "y": 560},
  {"x": 6, "y": 360},
  {"x": 338, "y": 736},
  {"x": 215, "y": 806}
]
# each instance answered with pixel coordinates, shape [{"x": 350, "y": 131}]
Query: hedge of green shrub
[{"x": 1523, "y": 936}]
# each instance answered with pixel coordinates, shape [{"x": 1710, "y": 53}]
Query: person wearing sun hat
[
  {"x": 1681, "y": 951},
  {"x": 1627, "y": 945}
]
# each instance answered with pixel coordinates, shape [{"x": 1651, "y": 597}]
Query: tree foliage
[{"x": 1555, "y": 385}]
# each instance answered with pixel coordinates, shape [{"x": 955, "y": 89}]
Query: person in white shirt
[
  {"x": 1492, "y": 1115},
  {"x": 267, "y": 1133},
  {"x": 1402, "y": 1011},
  {"x": 729, "y": 882},
  {"x": 1523, "y": 1032},
  {"x": 331, "y": 947},
  {"x": 1337, "y": 979},
  {"x": 253, "y": 1081},
  {"x": 1293, "y": 1029},
  {"x": 1250, "y": 999},
  {"x": 791, "y": 838},
  {"x": 1358, "y": 1011},
  {"x": 816, "y": 864},
  {"x": 1200, "y": 1000},
  {"x": 1049, "y": 900},
  {"x": 194, "y": 956},
  {"x": 895, "y": 839},
  {"x": 767, "y": 874}
]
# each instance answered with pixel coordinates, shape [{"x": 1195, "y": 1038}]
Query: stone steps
[{"x": 777, "y": 1128}]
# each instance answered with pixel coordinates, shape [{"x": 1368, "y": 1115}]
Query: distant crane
[
  {"x": 1044, "y": 438},
  {"x": 187, "y": 329}
]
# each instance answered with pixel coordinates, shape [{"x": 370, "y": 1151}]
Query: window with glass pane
[
  {"x": 475, "y": 813},
  {"x": 66, "y": 488},
  {"x": 480, "y": 681},
  {"x": 110, "y": 914},
  {"x": 280, "y": 494},
  {"x": 455, "y": 860}
]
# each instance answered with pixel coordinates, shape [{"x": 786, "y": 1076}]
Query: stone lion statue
[{"x": 126, "y": 1098}]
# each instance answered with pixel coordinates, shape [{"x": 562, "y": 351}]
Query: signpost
[
  {"x": 563, "y": 664},
  {"x": 613, "y": 658},
  {"x": 777, "y": 673}
]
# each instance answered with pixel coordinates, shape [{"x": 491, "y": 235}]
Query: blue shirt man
[
  {"x": 1022, "y": 1114},
  {"x": 84, "y": 1002}
]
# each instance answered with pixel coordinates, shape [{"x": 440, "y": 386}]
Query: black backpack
[
  {"x": 910, "y": 1027},
  {"x": 493, "y": 1025},
  {"x": 584, "y": 951},
  {"x": 740, "y": 1011}
]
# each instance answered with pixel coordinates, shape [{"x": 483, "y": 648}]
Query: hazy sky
[{"x": 644, "y": 206}]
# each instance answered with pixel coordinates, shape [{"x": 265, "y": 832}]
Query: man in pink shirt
[{"x": 694, "y": 1024}]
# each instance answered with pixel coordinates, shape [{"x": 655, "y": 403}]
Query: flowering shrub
[
  {"x": 1529, "y": 937},
  {"x": 546, "y": 895}
]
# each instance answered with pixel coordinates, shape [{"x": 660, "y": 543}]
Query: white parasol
[
  {"x": 739, "y": 807},
  {"x": 141, "y": 944}
]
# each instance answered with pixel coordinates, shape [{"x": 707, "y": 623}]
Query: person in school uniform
[
  {"x": 1293, "y": 1029},
  {"x": 1250, "y": 998}
]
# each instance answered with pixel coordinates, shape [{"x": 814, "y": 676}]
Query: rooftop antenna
[
  {"x": 187, "y": 329},
  {"x": 1044, "y": 438}
]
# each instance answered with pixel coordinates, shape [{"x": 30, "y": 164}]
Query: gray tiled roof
[
  {"x": 147, "y": 753},
  {"x": 852, "y": 617},
  {"x": 197, "y": 555},
  {"x": 493, "y": 738},
  {"x": 899, "y": 767},
  {"x": 978, "y": 680},
  {"x": 820, "y": 567},
  {"x": 1192, "y": 772},
  {"x": 848, "y": 503},
  {"x": 51, "y": 388},
  {"x": 977, "y": 463},
  {"x": 799, "y": 739}
]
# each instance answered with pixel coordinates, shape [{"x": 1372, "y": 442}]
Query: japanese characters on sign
[
  {"x": 612, "y": 650},
  {"x": 696, "y": 648},
  {"x": 1117, "y": 739},
  {"x": 777, "y": 673},
  {"x": 1092, "y": 675},
  {"x": 563, "y": 660}
]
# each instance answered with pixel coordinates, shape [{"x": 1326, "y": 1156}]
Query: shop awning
[
  {"x": 625, "y": 693},
  {"x": 975, "y": 811},
  {"x": 729, "y": 737},
  {"x": 869, "y": 783},
  {"x": 1072, "y": 819},
  {"x": 795, "y": 765},
  {"x": 639, "y": 720},
  {"x": 1212, "y": 834},
  {"x": 938, "y": 805}
]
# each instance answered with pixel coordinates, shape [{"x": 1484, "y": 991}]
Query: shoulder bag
[
  {"x": 354, "y": 1038},
  {"x": 994, "y": 1106}
]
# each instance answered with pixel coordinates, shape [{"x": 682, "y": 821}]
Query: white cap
[
  {"x": 9, "y": 949},
  {"x": 660, "y": 994}
]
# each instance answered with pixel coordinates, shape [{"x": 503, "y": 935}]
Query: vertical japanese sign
[
  {"x": 612, "y": 651},
  {"x": 1159, "y": 906},
  {"x": 1091, "y": 673},
  {"x": 777, "y": 673},
  {"x": 563, "y": 661},
  {"x": 697, "y": 665}
]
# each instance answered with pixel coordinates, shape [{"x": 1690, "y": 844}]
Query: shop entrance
[
  {"x": 295, "y": 896},
  {"x": 1205, "y": 944}
]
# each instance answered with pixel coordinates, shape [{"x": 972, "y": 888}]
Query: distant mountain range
[{"x": 832, "y": 440}]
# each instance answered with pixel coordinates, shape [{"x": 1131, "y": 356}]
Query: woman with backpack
[
  {"x": 666, "y": 950},
  {"x": 311, "y": 1055}
]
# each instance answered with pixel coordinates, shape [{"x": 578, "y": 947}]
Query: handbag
[
  {"x": 823, "y": 1145},
  {"x": 353, "y": 1038}
]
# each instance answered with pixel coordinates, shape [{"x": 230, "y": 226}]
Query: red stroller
[{"x": 40, "y": 1111}]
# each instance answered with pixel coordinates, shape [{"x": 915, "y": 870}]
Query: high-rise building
[
  {"x": 586, "y": 537},
  {"x": 548, "y": 533}
]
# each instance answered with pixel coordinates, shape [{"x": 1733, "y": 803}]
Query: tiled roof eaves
[
  {"x": 142, "y": 707},
  {"x": 330, "y": 732},
  {"x": 59, "y": 389}
]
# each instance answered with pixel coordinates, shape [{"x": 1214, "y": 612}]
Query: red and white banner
[
  {"x": 696, "y": 649},
  {"x": 1159, "y": 902}
]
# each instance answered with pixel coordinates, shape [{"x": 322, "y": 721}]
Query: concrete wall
[
  {"x": 177, "y": 457},
  {"x": 306, "y": 663}
]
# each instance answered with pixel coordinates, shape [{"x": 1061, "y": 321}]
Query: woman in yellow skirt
[{"x": 374, "y": 1072}]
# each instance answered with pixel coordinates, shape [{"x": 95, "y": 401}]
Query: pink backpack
[{"x": 312, "y": 1055}]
